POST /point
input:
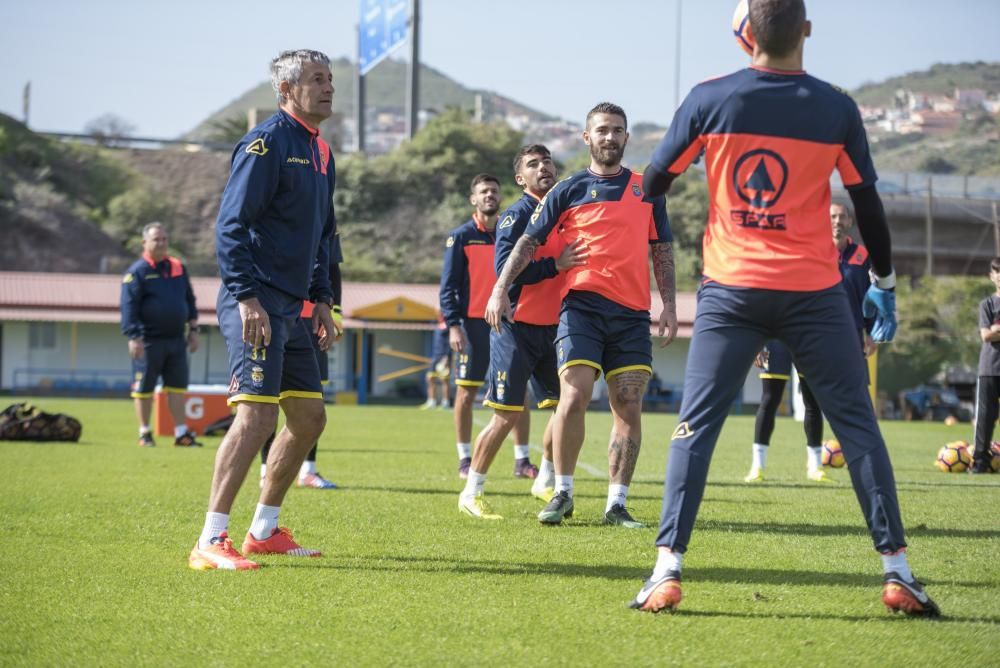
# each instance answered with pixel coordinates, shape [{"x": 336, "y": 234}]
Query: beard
[
  {"x": 607, "y": 156},
  {"x": 489, "y": 209}
]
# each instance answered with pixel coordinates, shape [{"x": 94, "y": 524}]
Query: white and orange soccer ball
[
  {"x": 954, "y": 457},
  {"x": 832, "y": 455},
  {"x": 741, "y": 27}
]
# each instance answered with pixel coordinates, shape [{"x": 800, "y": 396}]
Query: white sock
[
  {"x": 564, "y": 483},
  {"x": 474, "y": 483},
  {"x": 547, "y": 473},
  {"x": 180, "y": 431},
  {"x": 215, "y": 524},
  {"x": 814, "y": 457},
  {"x": 144, "y": 430},
  {"x": 265, "y": 521},
  {"x": 464, "y": 450},
  {"x": 616, "y": 496},
  {"x": 522, "y": 451},
  {"x": 263, "y": 470},
  {"x": 896, "y": 562},
  {"x": 759, "y": 456},
  {"x": 307, "y": 468},
  {"x": 666, "y": 560}
]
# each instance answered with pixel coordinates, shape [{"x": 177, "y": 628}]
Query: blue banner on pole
[{"x": 381, "y": 30}]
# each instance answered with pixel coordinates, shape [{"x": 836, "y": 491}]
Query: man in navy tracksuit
[
  {"x": 273, "y": 238},
  {"x": 157, "y": 305}
]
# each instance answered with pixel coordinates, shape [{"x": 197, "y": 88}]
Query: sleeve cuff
[{"x": 883, "y": 282}]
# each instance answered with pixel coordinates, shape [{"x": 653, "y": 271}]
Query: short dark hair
[
  {"x": 607, "y": 108},
  {"x": 482, "y": 178},
  {"x": 777, "y": 25},
  {"x": 845, "y": 206},
  {"x": 530, "y": 149},
  {"x": 995, "y": 264}
]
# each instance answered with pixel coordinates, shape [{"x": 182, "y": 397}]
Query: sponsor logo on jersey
[
  {"x": 128, "y": 278},
  {"x": 507, "y": 222},
  {"x": 297, "y": 161},
  {"x": 636, "y": 190},
  {"x": 257, "y": 147},
  {"x": 759, "y": 179},
  {"x": 450, "y": 242}
]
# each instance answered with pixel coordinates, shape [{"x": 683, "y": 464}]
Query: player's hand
[
  {"x": 498, "y": 308},
  {"x": 668, "y": 324},
  {"x": 256, "y": 323},
  {"x": 136, "y": 348},
  {"x": 324, "y": 327},
  {"x": 457, "y": 340},
  {"x": 193, "y": 341},
  {"x": 869, "y": 346},
  {"x": 881, "y": 305},
  {"x": 760, "y": 361},
  {"x": 574, "y": 255}
]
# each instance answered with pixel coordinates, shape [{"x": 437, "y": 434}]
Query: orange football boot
[
  {"x": 220, "y": 554},
  {"x": 279, "y": 542}
]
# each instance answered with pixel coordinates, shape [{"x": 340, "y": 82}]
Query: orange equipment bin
[{"x": 203, "y": 405}]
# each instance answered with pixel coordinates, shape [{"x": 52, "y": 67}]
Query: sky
[{"x": 166, "y": 66}]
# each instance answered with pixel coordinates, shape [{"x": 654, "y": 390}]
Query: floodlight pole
[
  {"x": 359, "y": 101},
  {"x": 413, "y": 72},
  {"x": 677, "y": 58}
]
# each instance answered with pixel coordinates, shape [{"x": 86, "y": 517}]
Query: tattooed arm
[
  {"x": 666, "y": 281},
  {"x": 498, "y": 307}
]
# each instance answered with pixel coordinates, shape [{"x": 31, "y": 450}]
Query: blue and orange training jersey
[
  {"x": 276, "y": 218},
  {"x": 771, "y": 141},
  {"x": 468, "y": 276},
  {"x": 157, "y": 301},
  {"x": 536, "y": 294},
  {"x": 854, "y": 267},
  {"x": 616, "y": 222}
]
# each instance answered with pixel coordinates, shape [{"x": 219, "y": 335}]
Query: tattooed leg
[{"x": 625, "y": 391}]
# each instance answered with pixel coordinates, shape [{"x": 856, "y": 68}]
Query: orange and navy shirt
[
  {"x": 616, "y": 222},
  {"x": 771, "y": 140},
  {"x": 157, "y": 301},
  {"x": 854, "y": 265},
  {"x": 536, "y": 294},
  {"x": 468, "y": 276}
]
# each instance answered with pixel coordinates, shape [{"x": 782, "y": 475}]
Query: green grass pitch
[{"x": 96, "y": 535}]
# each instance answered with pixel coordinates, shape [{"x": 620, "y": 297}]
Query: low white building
[{"x": 61, "y": 333}]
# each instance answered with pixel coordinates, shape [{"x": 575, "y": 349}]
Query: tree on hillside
[
  {"x": 938, "y": 318},
  {"x": 109, "y": 129}
]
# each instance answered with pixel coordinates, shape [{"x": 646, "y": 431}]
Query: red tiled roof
[{"x": 55, "y": 297}]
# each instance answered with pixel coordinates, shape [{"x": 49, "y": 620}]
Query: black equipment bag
[{"x": 24, "y": 422}]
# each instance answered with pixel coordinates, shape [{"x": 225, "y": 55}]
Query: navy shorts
[
  {"x": 611, "y": 343},
  {"x": 519, "y": 353},
  {"x": 473, "y": 362},
  {"x": 779, "y": 361},
  {"x": 161, "y": 357},
  {"x": 286, "y": 368}
]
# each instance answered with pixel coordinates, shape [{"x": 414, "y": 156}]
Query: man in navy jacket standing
[
  {"x": 160, "y": 319},
  {"x": 273, "y": 235}
]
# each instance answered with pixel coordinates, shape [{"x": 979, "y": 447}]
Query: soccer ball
[
  {"x": 954, "y": 457},
  {"x": 832, "y": 455},
  {"x": 741, "y": 27}
]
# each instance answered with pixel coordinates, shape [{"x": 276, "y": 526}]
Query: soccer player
[
  {"x": 772, "y": 135},
  {"x": 439, "y": 373},
  {"x": 466, "y": 281},
  {"x": 988, "y": 383},
  {"x": 157, "y": 305},
  {"x": 309, "y": 477},
  {"x": 273, "y": 236},
  {"x": 604, "y": 319},
  {"x": 524, "y": 348},
  {"x": 775, "y": 361}
]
